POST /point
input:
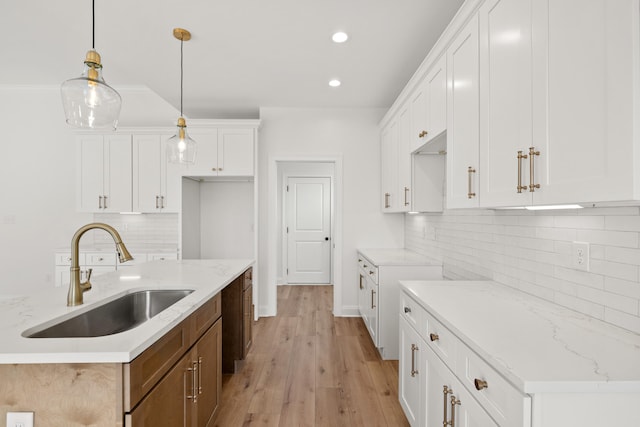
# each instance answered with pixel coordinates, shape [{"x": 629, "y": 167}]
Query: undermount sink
[{"x": 118, "y": 315}]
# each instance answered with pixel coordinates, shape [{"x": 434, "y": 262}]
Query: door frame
[
  {"x": 284, "y": 279},
  {"x": 273, "y": 236}
]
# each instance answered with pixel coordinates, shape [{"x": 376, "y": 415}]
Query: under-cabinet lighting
[
  {"x": 413, "y": 213},
  {"x": 552, "y": 207},
  {"x": 130, "y": 213},
  {"x": 130, "y": 277}
]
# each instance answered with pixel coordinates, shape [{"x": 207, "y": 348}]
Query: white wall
[
  {"x": 352, "y": 136},
  {"x": 532, "y": 252},
  {"x": 37, "y": 179},
  {"x": 190, "y": 219}
]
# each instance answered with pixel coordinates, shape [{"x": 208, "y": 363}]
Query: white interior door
[{"x": 308, "y": 218}]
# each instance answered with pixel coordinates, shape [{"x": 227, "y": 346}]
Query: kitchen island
[{"x": 108, "y": 380}]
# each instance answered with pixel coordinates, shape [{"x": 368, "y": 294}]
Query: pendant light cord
[
  {"x": 93, "y": 24},
  {"x": 181, "y": 72}
]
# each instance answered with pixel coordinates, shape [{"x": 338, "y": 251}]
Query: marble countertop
[
  {"x": 159, "y": 248},
  {"x": 17, "y": 314},
  {"x": 397, "y": 256},
  {"x": 536, "y": 345}
]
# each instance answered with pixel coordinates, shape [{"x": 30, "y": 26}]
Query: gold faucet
[{"x": 76, "y": 287}]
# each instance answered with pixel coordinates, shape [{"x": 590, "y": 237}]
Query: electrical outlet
[
  {"x": 19, "y": 419},
  {"x": 580, "y": 255}
]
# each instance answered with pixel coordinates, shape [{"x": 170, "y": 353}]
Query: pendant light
[
  {"x": 87, "y": 100},
  {"x": 180, "y": 147}
]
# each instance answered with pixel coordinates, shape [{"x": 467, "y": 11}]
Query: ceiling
[{"x": 243, "y": 55}]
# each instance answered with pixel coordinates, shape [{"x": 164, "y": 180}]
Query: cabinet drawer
[
  {"x": 441, "y": 340},
  {"x": 100, "y": 258},
  {"x": 162, "y": 257},
  {"x": 368, "y": 269},
  {"x": 500, "y": 399},
  {"x": 413, "y": 312},
  {"x": 205, "y": 316},
  {"x": 64, "y": 258}
]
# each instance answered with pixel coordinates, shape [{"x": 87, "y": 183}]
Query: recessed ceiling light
[
  {"x": 340, "y": 37},
  {"x": 334, "y": 83}
]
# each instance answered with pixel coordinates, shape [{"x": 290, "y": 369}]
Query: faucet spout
[{"x": 76, "y": 286}]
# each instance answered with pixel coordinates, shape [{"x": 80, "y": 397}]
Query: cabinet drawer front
[
  {"x": 64, "y": 258},
  {"x": 367, "y": 268},
  {"x": 501, "y": 400},
  {"x": 441, "y": 341},
  {"x": 100, "y": 258},
  {"x": 413, "y": 312},
  {"x": 162, "y": 257},
  {"x": 205, "y": 316},
  {"x": 144, "y": 372}
]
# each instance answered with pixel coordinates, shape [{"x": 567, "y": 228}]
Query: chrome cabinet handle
[
  {"x": 470, "y": 194},
  {"x": 193, "y": 370},
  {"x": 521, "y": 156},
  {"x": 414, "y": 371},
  {"x": 200, "y": 375},
  {"x": 532, "y": 154}
]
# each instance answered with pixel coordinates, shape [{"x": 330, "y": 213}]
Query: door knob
[{"x": 326, "y": 238}]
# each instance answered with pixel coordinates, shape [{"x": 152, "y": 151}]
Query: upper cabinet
[
  {"x": 223, "y": 152},
  {"x": 389, "y": 167},
  {"x": 463, "y": 129},
  {"x": 429, "y": 106},
  {"x": 156, "y": 182},
  {"x": 104, "y": 173},
  {"x": 557, "y": 113}
]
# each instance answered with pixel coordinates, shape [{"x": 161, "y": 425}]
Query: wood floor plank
[{"x": 308, "y": 368}]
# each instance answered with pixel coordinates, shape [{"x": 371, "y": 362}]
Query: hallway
[{"x": 307, "y": 368}]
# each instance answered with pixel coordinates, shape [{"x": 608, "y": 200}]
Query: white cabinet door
[
  {"x": 389, "y": 167},
  {"x": 206, "y": 153},
  {"x": 146, "y": 173},
  {"x": 235, "y": 152},
  {"x": 104, "y": 181},
  {"x": 463, "y": 119},
  {"x": 155, "y": 181},
  {"x": 404, "y": 190},
  {"x": 419, "y": 116},
  {"x": 362, "y": 298},
  {"x": 585, "y": 69},
  {"x": 90, "y": 181},
  {"x": 505, "y": 99},
  {"x": 411, "y": 375},
  {"x": 373, "y": 316},
  {"x": 436, "y": 84}
]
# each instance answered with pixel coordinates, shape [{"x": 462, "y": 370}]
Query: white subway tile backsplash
[{"x": 532, "y": 251}]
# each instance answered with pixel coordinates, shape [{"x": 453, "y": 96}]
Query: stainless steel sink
[{"x": 119, "y": 315}]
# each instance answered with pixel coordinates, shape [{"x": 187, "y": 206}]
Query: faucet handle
[{"x": 85, "y": 286}]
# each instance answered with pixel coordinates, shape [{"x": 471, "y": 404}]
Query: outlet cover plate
[
  {"x": 580, "y": 256},
  {"x": 19, "y": 419}
]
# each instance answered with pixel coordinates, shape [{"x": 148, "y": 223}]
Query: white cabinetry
[
  {"x": 379, "y": 273},
  {"x": 156, "y": 182},
  {"x": 104, "y": 173},
  {"x": 429, "y": 106},
  {"x": 98, "y": 262},
  {"x": 555, "y": 79},
  {"x": 389, "y": 167},
  {"x": 463, "y": 118},
  {"x": 223, "y": 151}
]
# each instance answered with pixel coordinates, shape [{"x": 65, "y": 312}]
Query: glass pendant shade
[
  {"x": 88, "y": 101},
  {"x": 180, "y": 147}
]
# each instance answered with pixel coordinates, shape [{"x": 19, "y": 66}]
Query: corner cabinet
[
  {"x": 223, "y": 151},
  {"x": 104, "y": 173}
]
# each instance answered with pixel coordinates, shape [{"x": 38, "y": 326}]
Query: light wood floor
[{"x": 307, "y": 368}]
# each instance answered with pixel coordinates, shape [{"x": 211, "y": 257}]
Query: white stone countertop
[
  {"x": 399, "y": 256},
  {"x": 536, "y": 345},
  {"x": 153, "y": 248},
  {"x": 17, "y": 314}
]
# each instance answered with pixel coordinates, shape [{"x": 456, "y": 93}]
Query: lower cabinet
[{"x": 237, "y": 311}]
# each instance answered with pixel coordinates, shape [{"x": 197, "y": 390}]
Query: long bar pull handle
[
  {"x": 532, "y": 154},
  {"x": 200, "y": 375},
  {"x": 373, "y": 294},
  {"x": 445, "y": 391},
  {"x": 414, "y": 371},
  {"x": 454, "y": 402},
  {"x": 361, "y": 277},
  {"x": 99, "y": 202},
  {"x": 162, "y": 202},
  {"x": 157, "y": 200},
  {"x": 386, "y": 200},
  {"x": 520, "y": 157},
  {"x": 105, "y": 202},
  {"x": 470, "y": 194},
  {"x": 406, "y": 190},
  {"x": 194, "y": 372}
]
